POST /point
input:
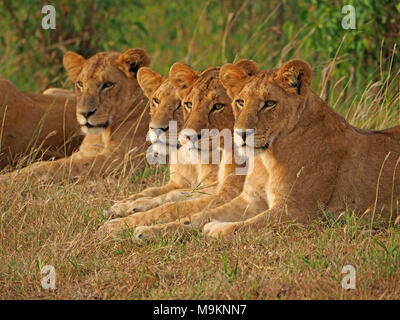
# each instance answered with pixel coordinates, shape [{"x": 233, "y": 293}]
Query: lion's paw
[
  {"x": 141, "y": 205},
  {"x": 136, "y": 196},
  {"x": 112, "y": 227},
  {"x": 145, "y": 233},
  {"x": 123, "y": 209},
  {"x": 119, "y": 209},
  {"x": 218, "y": 229}
]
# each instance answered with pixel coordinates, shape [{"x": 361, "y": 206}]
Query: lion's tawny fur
[
  {"x": 165, "y": 106},
  {"x": 203, "y": 91},
  {"x": 39, "y": 124},
  {"x": 314, "y": 160},
  {"x": 111, "y": 110}
]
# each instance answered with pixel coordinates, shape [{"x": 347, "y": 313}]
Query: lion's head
[
  {"x": 205, "y": 101},
  {"x": 105, "y": 85},
  {"x": 165, "y": 105},
  {"x": 267, "y": 105}
]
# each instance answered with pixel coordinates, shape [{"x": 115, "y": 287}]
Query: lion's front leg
[
  {"x": 236, "y": 210},
  {"x": 190, "y": 223},
  {"x": 158, "y": 231},
  {"x": 163, "y": 207},
  {"x": 164, "y": 213},
  {"x": 272, "y": 218},
  {"x": 115, "y": 226},
  {"x": 136, "y": 196},
  {"x": 42, "y": 171},
  {"x": 155, "y": 191},
  {"x": 147, "y": 199},
  {"x": 123, "y": 209},
  {"x": 77, "y": 166},
  {"x": 216, "y": 229},
  {"x": 126, "y": 208}
]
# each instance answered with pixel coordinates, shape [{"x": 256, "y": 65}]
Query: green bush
[{"x": 200, "y": 33}]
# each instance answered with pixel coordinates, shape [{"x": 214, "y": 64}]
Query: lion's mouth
[
  {"x": 251, "y": 151},
  {"x": 199, "y": 148},
  {"x": 166, "y": 143},
  {"x": 102, "y": 125},
  {"x": 264, "y": 147},
  {"x": 206, "y": 144}
]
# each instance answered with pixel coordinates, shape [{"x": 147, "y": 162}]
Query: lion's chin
[
  {"x": 258, "y": 151},
  {"x": 163, "y": 148},
  {"x": 246, "y": 151},
  {"x": 98, "y": 129}
]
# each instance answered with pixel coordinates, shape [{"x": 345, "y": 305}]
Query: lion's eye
[
  {"x": 107, "y": 85},
  {"x": 79, "y": 85},
  {"x": 239, "y": 103},
  {"x": 218, "y": 106},
  {"x": 188, "y": 105},
  {"x": 156, "y": 101},
  {"x": 268, "y": 104},
  {"x": 179, "y": 106}
]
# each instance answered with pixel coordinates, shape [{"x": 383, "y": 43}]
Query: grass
[{"x": 55, "y": 225}]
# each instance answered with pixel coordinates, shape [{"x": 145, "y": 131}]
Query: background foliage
[{"x": 202, "y": 33}]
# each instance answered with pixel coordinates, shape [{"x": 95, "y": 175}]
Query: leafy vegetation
[{"x": 202, "y": 33}]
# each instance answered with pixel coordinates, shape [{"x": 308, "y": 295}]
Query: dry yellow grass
[{"x": 55, "y": 225}]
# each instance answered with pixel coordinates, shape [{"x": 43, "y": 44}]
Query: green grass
[{"x": 204, "y": 34}]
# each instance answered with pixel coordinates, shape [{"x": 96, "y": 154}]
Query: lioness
[
  {"x": 35, "y": 126},
  {"x": 165, "y": 106},
  {"x": 111, "y": 112},
  {"x": 206, "y": 106},
  {"x": 314, "y": 159},
  {"x": 59, "y": 92}
]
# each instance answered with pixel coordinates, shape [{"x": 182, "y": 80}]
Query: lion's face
[
  {"x": 206, "y": 104},
  {"x": 105, "y": 86},
  {"x": 267, "y": 106},
  {"x": 165, "y": 106}
]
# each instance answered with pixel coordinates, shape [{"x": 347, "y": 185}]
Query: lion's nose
[
  {"x": 89, "y": 113},
  {"x": 165, "y": 129},
  {"x": 244, "y": 134},
  {"x": 193, "y": 137}
]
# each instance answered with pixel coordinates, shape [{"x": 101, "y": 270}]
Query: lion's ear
[
  {"x": 131, "y": 60},
  {"x": 233, "y": 78},
  {"x": 149, "y": 80},
  {"x": 250, "y": 66},
  {"x": 182, "y": 77},
  {"x": 294, "y": 76},
  {"x": 73, "y": 64}
]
